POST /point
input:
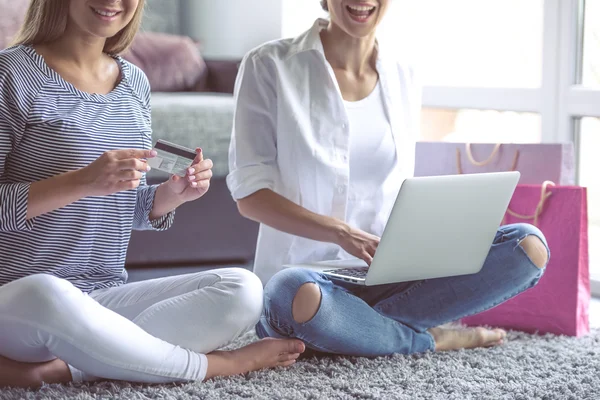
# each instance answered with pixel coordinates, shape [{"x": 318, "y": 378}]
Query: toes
[
  {"x": 482, "y": 337},
  {"x": 498, "y": 334},
  {"x": 288, "y": 357},
  {"x": 285, "y": 346},
  {"x": 293, "y": 346},
  {"x": 490, "y": 336},
  {"x": 494, "y": 344},
  {"x": 286, "y": 363}
]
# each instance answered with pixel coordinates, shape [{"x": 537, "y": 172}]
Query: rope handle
[
  {"x": 484, "y": 162},
  {"x": 539, "y": 209}
]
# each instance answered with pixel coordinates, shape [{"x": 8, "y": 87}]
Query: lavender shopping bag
[
  {"x": 536, "y": 162},
  {"x": 559, "y": 303}
]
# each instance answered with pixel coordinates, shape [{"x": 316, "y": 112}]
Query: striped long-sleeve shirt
[{"x": 48, "y": 127}]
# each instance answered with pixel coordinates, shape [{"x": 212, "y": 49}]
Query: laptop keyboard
[{"x": 360, "y": 272}]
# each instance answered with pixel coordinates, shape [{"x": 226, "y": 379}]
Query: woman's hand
[
  {"x": 115, "y": 171},
  {"x": 358, "y": 243},
  {"x": 196, "y": 181}
]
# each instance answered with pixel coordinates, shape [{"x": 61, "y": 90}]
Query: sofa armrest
[{"x": 222, "y": 75}]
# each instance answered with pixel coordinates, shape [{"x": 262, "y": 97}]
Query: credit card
[{"x": 172, "y": 158}]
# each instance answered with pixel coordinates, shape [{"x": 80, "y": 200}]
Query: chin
[
  {"x": 359, "y": 19},
  {"x": 358, "y": 32},
  {"x": 102, "y": 33}
]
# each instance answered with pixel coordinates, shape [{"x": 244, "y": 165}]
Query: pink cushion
[
  {"x": 11, "y": 16},
  {"x": 172, "y": 63}
]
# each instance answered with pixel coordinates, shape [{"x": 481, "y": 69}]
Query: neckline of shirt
[
  {"x": 94, "y": 97},
  {"x": 369, "y": 98}
]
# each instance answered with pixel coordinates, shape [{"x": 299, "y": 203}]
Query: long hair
[{"x": 46, "y": 21}]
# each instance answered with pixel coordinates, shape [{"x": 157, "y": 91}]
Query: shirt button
[
  {"x": 340, "y": 189},
  {"x": 344, "y": 126}
]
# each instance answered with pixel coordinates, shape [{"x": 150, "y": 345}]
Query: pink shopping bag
[
  {"x": 537, "y": 162},
  {"x": 559, "y": 303}
]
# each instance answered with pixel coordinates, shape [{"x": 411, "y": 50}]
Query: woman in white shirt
[{"x": 324, "y": 133}]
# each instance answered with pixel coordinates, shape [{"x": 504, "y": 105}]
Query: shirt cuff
[
  {"x": 14, "y": 199},
  {"x": 244, "y": 182},
  {"x": 145, "y": 202}
]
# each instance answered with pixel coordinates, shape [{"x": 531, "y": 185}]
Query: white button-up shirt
[{"x": 291, "y": 135}]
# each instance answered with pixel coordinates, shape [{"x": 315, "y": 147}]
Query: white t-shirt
[{"x": 372, "y": 158}]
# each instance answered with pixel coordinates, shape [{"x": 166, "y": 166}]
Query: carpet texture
[{"x": 525, "y": 367}]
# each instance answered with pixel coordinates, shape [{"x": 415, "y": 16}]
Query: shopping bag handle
[
  {"x": 540, "y": 206},
  {"x": 484, "y": 162}
]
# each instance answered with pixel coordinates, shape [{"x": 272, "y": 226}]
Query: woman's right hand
[
  {"x": 358, "y": 243},
  {"x": 115, "y": 171}
]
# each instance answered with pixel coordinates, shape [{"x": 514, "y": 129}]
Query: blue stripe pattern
[{"x": 48, "y": 127}]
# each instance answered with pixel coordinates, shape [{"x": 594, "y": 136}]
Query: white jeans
[{"x": 152, "y": 331}]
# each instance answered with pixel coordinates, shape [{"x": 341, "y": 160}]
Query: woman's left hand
[{"x": 196, "y": 181}]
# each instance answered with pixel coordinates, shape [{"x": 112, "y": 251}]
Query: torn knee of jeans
[
  {"x": 536, "y": 250},
  {"x": 306, "y": 302}
]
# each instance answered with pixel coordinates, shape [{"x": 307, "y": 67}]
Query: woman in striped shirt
[{"x": 75, "y": 132}]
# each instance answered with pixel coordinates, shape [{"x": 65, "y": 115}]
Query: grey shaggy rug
[{"x": 525, "y": 367}]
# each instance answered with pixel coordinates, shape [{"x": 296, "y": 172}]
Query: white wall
[
  {"x": 229, "y": 28},
  {"x": 299, "y": 15}
]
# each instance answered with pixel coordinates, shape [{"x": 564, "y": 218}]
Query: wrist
[
  {"x": 338, "y": 230},
  {"x": 76, "y": 183},
  {"x": 174, "y": 198},
  {"x": 165, "y": 201}
]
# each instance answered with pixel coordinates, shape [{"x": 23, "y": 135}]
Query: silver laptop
[{"x": 439, "y": 226}]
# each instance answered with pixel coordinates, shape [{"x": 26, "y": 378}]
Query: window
[
  {"x": 589, "y": 165},
  {"x": 475, "y": 43},
  {"x": 591, "y": 43},
  {"x": 582, "y": 104},
  {"x": 491, "y": 43},
  {"x": 299, "y": 15},
  {"x": 489, "y": 126}
]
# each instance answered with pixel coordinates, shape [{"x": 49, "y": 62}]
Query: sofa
[
  {"x": 209, "y": 230},
  {"x": 192, "y": 105}
]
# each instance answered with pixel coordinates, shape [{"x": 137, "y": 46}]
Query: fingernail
[
  {"x": 148, "y": 168},
  {"x": 153, "y": 153},
  {"x": 192, "y": 177},
  {"x": 191, "y": 170},
  {"x": 194, "y": 184}
]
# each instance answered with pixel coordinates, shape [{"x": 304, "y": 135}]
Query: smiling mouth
[
  {"x": 105, "y": 13},
  {"x": 361, "y": 12}
]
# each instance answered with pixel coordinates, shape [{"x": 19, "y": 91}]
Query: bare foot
[
  {"x": 32, "y": 375},
  {"x": 265, "y": 353},
  {"x": 270, "y": 352},
  {"x": 466, "y": 338}
]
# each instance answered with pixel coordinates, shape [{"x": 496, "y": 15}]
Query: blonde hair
[{"x": 46, "y": 21}]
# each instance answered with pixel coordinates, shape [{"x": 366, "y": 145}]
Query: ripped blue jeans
[{"x": 394, "y": 318}]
